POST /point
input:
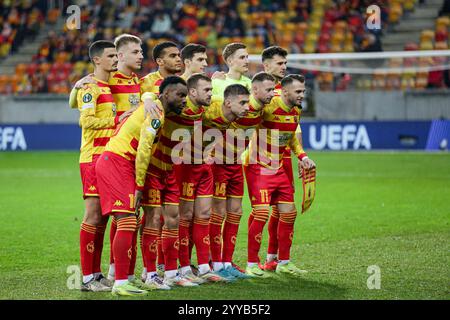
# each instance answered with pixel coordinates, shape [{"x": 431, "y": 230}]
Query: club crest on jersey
[
  {"x": 156, "y": 124},
  {"x": 87, "y": 98},
  {"x": 133, "y": 99}
]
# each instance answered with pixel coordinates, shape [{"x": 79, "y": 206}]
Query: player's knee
[{"x": 186, "y": 214}]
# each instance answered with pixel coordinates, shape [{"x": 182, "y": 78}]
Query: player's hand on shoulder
[
  {"x": 83, "y": 82},
  {"x": 218, "y": 75},
  {"x": 126, "y": 114},
  {"x": 153, "y": 109}
]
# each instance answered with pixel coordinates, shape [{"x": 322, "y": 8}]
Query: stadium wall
[
  {"x": 373, "y": 135},
  {"x": 382, "y": 105}
]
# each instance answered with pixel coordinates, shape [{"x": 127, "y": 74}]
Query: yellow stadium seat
[
  {"x": 426, "y": 35},
  {"x": 443, "y": 21},
  {"x": 409, "y": 4},
  {"x": 311, "y": 37},
  {"x": 309, "y": 47},
  {"x": 426, "y": 45}
]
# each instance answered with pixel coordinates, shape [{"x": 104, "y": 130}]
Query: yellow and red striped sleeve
[
  {"x": 151, "y": 82},
  {"x": 97, "y": 119}
]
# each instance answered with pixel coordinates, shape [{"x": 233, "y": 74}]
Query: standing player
[
  {"x": 194, "y": 58},
  {"x": 235, "y": 56},
  {"x": 196, "y": 182},
  {"x": 268, "y": 182},
  {"x": 167, "y": 55},
  {"x": 229, "y": 181},
  {"x": 275, "y": 63},
  {"x": 121, "y": 173},
  {"x": 97, "y": 120}
]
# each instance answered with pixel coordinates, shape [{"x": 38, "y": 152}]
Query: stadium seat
[
  {"x": 21, "y": 68},
  {"x": 441, "y": 45}
]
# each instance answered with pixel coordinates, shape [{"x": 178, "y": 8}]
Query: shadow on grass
[{"x": 273, "y": 288}]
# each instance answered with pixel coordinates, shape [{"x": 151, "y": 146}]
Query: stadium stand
[{"x": 303, "y": 26}]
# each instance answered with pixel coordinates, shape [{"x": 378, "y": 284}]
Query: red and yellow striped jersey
[
  {"x": 133, "y": 140},
  {"x": 97, "y": 119},
  {"x": 151, "y": 82},
  {"x": 125, "y": 90},
  {"x": 247, "y": 124},
  {"x": 162, "y": 156},
  {"x": 214, "y": 118},
  {"x": 280, "y": 123},
  {"x": 278, "y": 88}
]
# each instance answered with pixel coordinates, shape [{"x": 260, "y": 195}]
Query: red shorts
[
  {"x": 228, "y": 181},
  {"x": 268, "y": 189},
  {"x": 159, "y": 189},
  {"x": 89, "y": 179},
  {"x": 116, "y": 183},
  {"x": 196, "y": 180}
]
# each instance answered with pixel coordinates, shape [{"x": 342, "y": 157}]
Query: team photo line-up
[{"x": 176, "y": 145}]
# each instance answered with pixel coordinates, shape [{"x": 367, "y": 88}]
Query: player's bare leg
[{"x": 90, "y": 247}]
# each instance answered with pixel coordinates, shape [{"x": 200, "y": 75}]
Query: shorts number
[
  {"x": 188, "y": 189},
  {"x": 154, "y": 196},
  {"x": 131, "y": 196},
  {"x": 264, "y": 195},
  {"x": 220, "y": 188}
]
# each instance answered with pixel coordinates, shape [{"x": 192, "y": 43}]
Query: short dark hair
[
  {"x": 170, "y": 80},
  {"x": 270, "y": 52},
  {"x": 291, "y": 78},
  {"x": 191, "y": 49},
  {"x": 124, "y": 39},
  {"x": 262, "y": 76},
  {"x": 160, "y": 47},
  {"x": 195, "y": 78},
  {"x": 235, "y": 90},
  {"x": 231, "y": 48},
  {"x": 97, "y": 48}
]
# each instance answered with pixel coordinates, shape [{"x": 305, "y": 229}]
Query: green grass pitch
[{"x": 391, "y": 210}]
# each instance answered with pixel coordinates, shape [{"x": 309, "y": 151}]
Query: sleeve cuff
[{"x": 302, "y": 156}]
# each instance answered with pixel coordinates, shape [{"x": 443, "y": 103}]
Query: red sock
[
  {"x": 98, "y": 245},
  {"x": 286, "y": 234},
  {"x": 250, "y": 218},
  {"x": 170, "y": 244},
  {"x": 191, "y": 241},
  {"x": 215, "y": 235},
  {"x": 112, "y": 233},
  {"x": 230, "y": 231},
  {"x": 122, "y": 246},
  {"x": 272, "y": 228},
  {"x": 150, "y": 248},
  {"x": 87, "y": 248},
  {"x": 255, "y": 234},
  {"x": 160, "y": 249},
  {"x": 200, "y": 234},
  {"x": 134, "y": 248},
  {"x": 141, "y": 240},
  {"x": 183, "y": 235}
]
